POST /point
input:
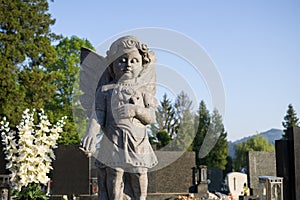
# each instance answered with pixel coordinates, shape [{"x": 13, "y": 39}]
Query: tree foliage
[
  {"x": 166, "y": 116},
  {"x": 203, "y": 121},
  {"x": 67, "y": 67},
  {"x": 290, "y": 119},
  {"x": 25, "y": 53},
  {"x": 186, "y": 129},
  {"x": 210, "y": 138},
  {"x": 257, "y": 143},
  {"x": 163, "y": 138},
  {"x": 219, "y": 152},
  {"x": 229, "y": 167},
  {"x": 177, "y": 120},
  {"x": 34, "y": 73}
]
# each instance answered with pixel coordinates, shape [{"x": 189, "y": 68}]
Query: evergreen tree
[
  {"x": 290, "y": 119},
  {"x": 210, "y": 143},
  {"x": 203, "y": 119},
  {"x": 182, "y": 105},
  {"x": 218, "y": 154},
  {"x": 229, "y": 167},
  {"x": 25, "y": 53},
  {"x": 257, "y": 143},
  {"x": 186, "y": 129},
  {"x": 163, "y": 138},
  {"x": 166, "y": 117}
]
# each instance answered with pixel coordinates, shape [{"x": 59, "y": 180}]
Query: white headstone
[{"x": 235, "y": 182}]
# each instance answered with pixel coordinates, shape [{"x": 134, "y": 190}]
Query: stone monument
[
  {"x": 288, "y": 163},
  {"x": 119, "y": 98},
  {"x": 235, "y": 182}
]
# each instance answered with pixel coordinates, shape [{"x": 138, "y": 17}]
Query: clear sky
[{"x": 254, "y": 44}]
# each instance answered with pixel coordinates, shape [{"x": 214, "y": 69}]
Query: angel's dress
[{"x": 125, "y": 142}]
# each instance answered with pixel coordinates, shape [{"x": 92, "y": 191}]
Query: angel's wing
[
  {"x": 93, "y": 70},
  {"x": 148, "y": 76}
]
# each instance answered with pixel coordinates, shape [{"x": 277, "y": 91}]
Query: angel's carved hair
[{"x": 126, "y": 44}]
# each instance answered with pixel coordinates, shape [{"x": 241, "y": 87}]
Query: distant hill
[{"x": 271, "y": 135}]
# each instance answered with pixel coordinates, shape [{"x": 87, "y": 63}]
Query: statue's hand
[
  {"x": 88, "y": 142},
  {"x": 127, "y": 111}
]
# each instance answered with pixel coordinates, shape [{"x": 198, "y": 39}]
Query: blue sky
[{"x": 255, "y": 46}]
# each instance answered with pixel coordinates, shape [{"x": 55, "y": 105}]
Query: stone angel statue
[{"x": 119, "y": 98}]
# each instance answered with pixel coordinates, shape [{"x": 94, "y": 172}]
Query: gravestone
[
  {"x": 260, "y": 164},
  {"x": 215, "y": 177},
  {"x": 71, "y": 171},
  {"x": 199, "y": 176},
  {"x": 175, "y": 177},
  {"x": 283, "y": 166},
  {"x": 288, "y": 163},
  {"x": 235, "y": 182}
]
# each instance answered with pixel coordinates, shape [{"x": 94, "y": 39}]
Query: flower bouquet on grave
[{"x": 29, "y": 153}]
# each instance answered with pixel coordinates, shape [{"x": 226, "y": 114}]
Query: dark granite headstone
[
  {"x": 294, "y": 135},
  {"x": 215, "y": 176},
  {"x": 71, "y": 174},
  {"x": 288, "y": 163},
  {"x": 283, "y": 166}
]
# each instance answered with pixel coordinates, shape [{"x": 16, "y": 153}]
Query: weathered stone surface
[
  {"x": 119, "y": 97},
  {"x": 260, "y": 164},
  {"x": 174, "y": 178}
]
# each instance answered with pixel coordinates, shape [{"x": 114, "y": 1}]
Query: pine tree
[
  {"x": 217, "y": 157},
  {"x": 229, "y": 167},
  {"x": 166, "y": 117},
  {"x": 203, "y": 121},
  {"x": 163, "y": 138},
  {"x": 290, "y": 119},
  {"x": 210, "y": 143},
  {"x": 186, "y": 129}
]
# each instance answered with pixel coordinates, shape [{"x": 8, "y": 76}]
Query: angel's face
[{"x": 128, "y": 66}]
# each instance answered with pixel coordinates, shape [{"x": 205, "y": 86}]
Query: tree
[
  {"x": 257, "y": 143},
  {"x": 203, "y": 121},
  {"x": 218, "y": 154},
  {"x": 210, "y": 142},
  {"x": 163, "y": 138},
  {"x": 67, "y": 67},
  {"x": 186, "y": 129},
  {"x": 182, "y": 105},
  {"x": 25, "y": 53},
  {"x": 290, "y": 119},
  {"x": 229, "y": 167},
  {"x": 166, "y": 117}
]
